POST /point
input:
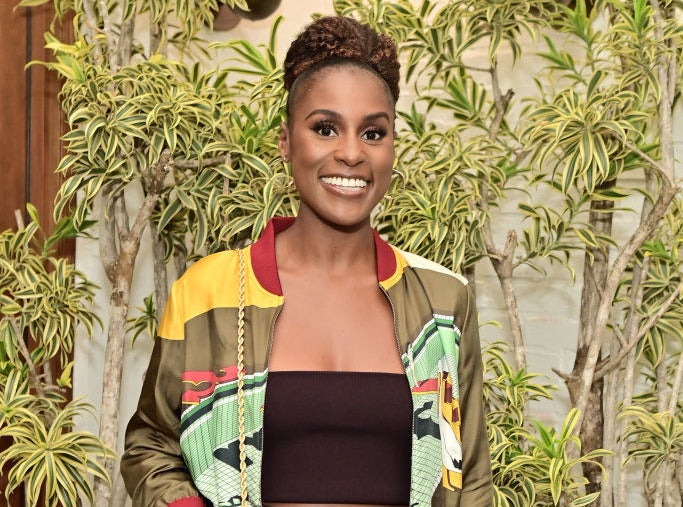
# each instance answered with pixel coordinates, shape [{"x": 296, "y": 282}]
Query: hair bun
[{"x": 334, "y": 38}]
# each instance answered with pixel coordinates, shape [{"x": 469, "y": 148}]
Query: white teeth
[{"x": 345, "y": 182}]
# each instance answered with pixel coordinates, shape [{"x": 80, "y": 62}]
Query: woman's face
[{"x": 339, "y": 139}]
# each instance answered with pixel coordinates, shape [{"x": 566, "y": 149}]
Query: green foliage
[
  {"x": 220, "y": 126},
  {"x": 548, "y": 465},
  {"x": 507, "y": 391},
  {"x": 429, "y": 202},
  {"x": 45, "y": 299},
  {"x": 50, "y": 458},
  {"x": 259, "y": 184},
  {"x": 664, "y": 256},
  {"x": 189, "y": 15},
  {"x": 531, "y": 466},
  {"x": 657, "y": 438},
  {"x": 506, "y": 394},
  {"x": 145, "y": 323},
  {"x": 120, "y": 124}
]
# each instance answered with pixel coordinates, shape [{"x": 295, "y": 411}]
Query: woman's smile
[{"x": 345, "y": 187}]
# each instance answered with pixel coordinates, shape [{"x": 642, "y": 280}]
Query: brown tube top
[{"x": 337, "y": 437}]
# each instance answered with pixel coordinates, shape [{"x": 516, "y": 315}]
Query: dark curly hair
[{"x": 337, "y": 40}]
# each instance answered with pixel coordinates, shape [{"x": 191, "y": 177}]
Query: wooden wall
[
  {"x": 31, "y": 124},
  {"x": 32, "y": 121}
]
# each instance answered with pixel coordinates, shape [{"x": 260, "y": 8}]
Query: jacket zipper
[{"x": 412, "y": 368}]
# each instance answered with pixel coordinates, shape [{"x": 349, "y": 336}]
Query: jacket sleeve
[
  {"x": 152, "y": 464},
  {"x": 477, "y": 489}
]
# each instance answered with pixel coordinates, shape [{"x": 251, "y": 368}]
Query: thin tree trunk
[
  {"x": 591, "y": 423},
  {"x": 632, "y": 320},
  {"x": 595, "y": 269},
  {"x": 676, "y": 386},
  {"x": 662, "y": 399},
  {"x": 119, "y": 493},
  {"x": 180, "y": 264},
  {"x": 157, "y": 37},
  {"x": 119, "y": 303},
  {"x": 160, "y": 271},
  {"x": 503, "y": 262},
  {"x": 609, "y": 434},
  {"x": 113, "y": 365},
  {"x": 503, "y": 265},
  {"x": 622, "y": 450}
]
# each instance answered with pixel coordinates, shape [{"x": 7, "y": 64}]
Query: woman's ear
[{"x": 283, "y": 143}]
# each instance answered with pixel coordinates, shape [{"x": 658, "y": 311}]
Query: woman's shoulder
[
  {"x": 211, "y": 268},
  {"x": 422, "y": 264}
]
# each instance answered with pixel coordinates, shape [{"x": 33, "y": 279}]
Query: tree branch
[
  {"x": 157, "y": 36},
  {"x": 634, "y": 148},
  {"x": 675, "y": 389},
  {"x": 26, "y": 354},
  {"x": 194, "y": 164},
  {"x": 612, "y": 363},
  {"x": 160, "y": 170},
  {"x": 107, "y": 237},
  {"x": 109, "y": 36},
  {"x": 125, "y": 44},
  {"x": 643, "y": 232},
  {"x": 160, "y": 273},
  {"x": 476, "y": 69},
  {"x": 91, "y": 24},
  {"x": 639, "y": 276},
  {"x": 121, "y": 217},
  {"x": 501, "y": 101}
]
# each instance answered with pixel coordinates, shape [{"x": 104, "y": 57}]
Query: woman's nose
[{"x": 350, "y": 150}]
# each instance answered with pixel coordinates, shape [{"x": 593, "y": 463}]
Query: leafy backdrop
[{"x": 176, "y": 160}]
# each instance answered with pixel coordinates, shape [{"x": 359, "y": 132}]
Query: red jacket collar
[{"x": 265, "y": 268}]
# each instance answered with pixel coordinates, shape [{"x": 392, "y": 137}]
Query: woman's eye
[
  {"x": 374, "y": 135},
  {"x": 325, "y": 129}
]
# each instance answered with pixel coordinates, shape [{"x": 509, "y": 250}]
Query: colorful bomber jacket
[{"x": 182, "y": 442}]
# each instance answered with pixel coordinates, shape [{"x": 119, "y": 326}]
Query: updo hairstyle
[{"x": 337, "y": 40}]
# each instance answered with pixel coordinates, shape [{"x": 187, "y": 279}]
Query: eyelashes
[
  {"x": 377, "y": 134},
  {"x": 326, "y": 128}
]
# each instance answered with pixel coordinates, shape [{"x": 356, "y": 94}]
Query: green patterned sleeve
[{"x": 477, "y": 488}]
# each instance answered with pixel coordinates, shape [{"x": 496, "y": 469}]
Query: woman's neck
[{"x": 313, "y": 245}]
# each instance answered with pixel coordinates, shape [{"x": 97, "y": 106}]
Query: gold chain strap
[{"x": 240, "y": 381}]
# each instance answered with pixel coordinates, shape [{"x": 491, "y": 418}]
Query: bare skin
[
  {"x": 350, "y": 314},
  {"x": 335, "y": 316}
]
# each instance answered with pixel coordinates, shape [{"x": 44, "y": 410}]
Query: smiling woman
[
  {"x": 339, "y": 141},
  {"x": 319, "y": 365}
]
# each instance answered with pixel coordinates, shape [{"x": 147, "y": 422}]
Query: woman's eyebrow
[
  {"x": 335, "y": 115},
  {"x": 325, "y": 112},
  {"x": 377, "y": 116}
]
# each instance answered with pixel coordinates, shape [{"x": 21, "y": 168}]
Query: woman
[{"x": 370, "y": 355}]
